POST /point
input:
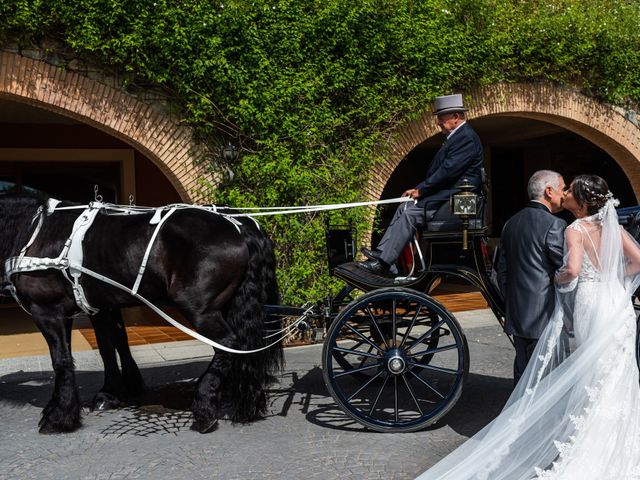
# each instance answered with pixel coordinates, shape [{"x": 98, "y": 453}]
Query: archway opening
[
  {"x": 515, "y": 147},
  {"x": 66, "y": 158}
]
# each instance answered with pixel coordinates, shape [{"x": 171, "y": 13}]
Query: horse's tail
[{"x": 245, "y": 392}]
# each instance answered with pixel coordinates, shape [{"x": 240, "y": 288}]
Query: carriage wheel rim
[{"x": 398, "y": 377}]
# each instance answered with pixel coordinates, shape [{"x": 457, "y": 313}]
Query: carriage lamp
[{"x": 464, "y": 205}]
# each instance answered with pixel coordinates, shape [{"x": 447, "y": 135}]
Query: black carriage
[{"x": 394, "y": 358}]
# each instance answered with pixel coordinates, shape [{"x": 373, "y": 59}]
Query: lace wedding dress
[{"x": 575, "y": 414}]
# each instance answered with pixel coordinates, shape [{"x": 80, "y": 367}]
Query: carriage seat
[{"x": 445, "y": 221}]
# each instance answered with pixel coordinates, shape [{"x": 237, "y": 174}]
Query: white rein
[{"x": 69, "y": 262}]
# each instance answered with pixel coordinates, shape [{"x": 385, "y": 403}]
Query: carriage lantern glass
[{"x": 464, "y": 205}]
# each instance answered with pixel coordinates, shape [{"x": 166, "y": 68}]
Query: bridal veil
[{"x": 575, "y": 414}]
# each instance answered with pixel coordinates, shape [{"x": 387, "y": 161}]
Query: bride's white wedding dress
[{"x": 575, "y": 414}]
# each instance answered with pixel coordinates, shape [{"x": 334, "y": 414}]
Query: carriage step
[{"x": 366, "y": 280}]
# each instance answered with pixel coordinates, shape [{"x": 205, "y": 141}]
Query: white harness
[{"x": 69, "y": 262}]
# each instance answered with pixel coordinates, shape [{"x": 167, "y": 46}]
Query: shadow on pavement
[
  {"x": 171, "y": 388},
  {"x": 482, "y": 400}
]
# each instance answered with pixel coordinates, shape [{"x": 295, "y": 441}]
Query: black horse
[{"x": 217, "y": 273}]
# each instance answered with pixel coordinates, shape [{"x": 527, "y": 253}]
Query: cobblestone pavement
[{"x": 305, "y": 435}]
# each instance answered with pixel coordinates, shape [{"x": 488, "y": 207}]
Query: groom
[{"x": 531, "y": 252}]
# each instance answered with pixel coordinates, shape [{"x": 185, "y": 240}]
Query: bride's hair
[{"x": 592, "y": 191}]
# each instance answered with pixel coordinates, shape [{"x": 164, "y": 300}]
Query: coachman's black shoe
[
  {"x": 371, "y": 254},
  {"x": 375, "y": 266}
]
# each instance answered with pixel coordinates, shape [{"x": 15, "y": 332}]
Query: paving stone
[{"x": 304, "y": 434}]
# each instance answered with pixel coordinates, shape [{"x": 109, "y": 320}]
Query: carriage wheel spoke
[
  {"x": 427, "y": 333},
  {"x": 430, "y": 351},
  {"x": 356, "y": 370},
  {"x": 413, "y": 395},
  {"x": 375, "y": 324},
  {"x": 428, "y": 385},
  {"x": 394, "y": 306},
  {"x": 395, "y": 397},
  {"x": 349, "y": 351},
  {"x": 357, "y": 332},
  {"x": 434, "y": 368},
  {"x": 413, "y": 321},
  {"x": 364, "y": 359},
  {"x": 375, "y": 402},
  {"x": 365, "y": 385}
]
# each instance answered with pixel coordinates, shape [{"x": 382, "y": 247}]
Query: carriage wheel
[{"x": 395, "y": 379}]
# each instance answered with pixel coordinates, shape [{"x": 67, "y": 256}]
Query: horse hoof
[
  {"x": 207, "y": 427},
  {"x": 104, "y": 401},
  {"x": 48, "y": 427}
]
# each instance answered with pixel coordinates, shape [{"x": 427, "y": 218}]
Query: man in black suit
[
  {"x": 460, "y": 157},
  {"x": 532, "y": 250}
]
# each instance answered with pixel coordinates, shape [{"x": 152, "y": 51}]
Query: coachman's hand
[{"x": 413, "y": 193}]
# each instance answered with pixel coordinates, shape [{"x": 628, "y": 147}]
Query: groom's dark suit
[{"x": 532, "y": 250}]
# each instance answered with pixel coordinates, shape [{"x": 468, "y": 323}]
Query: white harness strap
[
  {"x": 173, "y": 322},
  {"x": 40, "y": 218},
  {"x": 75, "y": 254},
  {"x": 69, "y": 262},
  {"x": 71, "y": 253},
  {"x": 143, "y": 265},
  {"x": 13, "y": 264}
]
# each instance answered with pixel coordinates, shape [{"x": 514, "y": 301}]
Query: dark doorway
[{"x": 63, "y": 180}]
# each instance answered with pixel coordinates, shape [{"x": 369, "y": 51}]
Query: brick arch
[
  {"x": 154, "y": 133},
  {"x": 603, "y": 125}
]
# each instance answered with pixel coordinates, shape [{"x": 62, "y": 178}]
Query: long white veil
[{"x": 545, "y": 416}]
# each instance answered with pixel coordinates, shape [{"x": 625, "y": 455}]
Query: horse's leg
[
  {"x": 111, "y": 335},
  {"x": 62, "y": 413},
  {"x": 206, "y": 401},
  {"x": 131, "y": 376},
  {"x": 112, "y": 390}
]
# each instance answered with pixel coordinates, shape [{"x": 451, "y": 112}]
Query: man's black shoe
[
  {"x": 371, "y": 254},
  {"x": 375, "y": 266}
]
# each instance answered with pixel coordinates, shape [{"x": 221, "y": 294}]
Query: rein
[{"x": 69, "y": 262}]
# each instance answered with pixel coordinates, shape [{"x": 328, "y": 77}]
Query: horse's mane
[{"x": 16, "y": 214}]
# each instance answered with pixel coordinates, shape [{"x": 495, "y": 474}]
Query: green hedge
[{"x": 312, "y": 89}]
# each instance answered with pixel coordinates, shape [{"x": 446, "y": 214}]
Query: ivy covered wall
[{"x": 311, "y": 90}]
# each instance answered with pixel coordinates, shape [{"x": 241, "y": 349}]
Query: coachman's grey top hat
[{"x": 449, "y": 103}]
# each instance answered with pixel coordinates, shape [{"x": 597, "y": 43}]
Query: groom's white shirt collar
[{"x": 538, "y": 201}]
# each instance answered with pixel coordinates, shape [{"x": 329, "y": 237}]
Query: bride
[{"x": 575, "y": 414}]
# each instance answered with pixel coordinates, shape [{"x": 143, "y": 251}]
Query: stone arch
[
  {"x": 152, "y": 132},
  {"x": 610, "y": 128}
]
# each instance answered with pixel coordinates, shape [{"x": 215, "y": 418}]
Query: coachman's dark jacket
[{"x": 459, "y": 157}]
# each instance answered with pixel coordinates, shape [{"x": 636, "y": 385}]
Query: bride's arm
[
  {"x": 631, "y": 251},
  {"x": 574, "y": 251}
]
